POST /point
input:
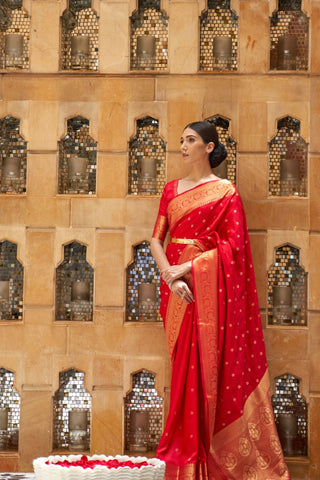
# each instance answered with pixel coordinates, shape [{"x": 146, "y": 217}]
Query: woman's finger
[{"x": 187, "y": 295}]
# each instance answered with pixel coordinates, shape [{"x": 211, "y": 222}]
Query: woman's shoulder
[
  {"x": 171, "y": 183},
  {"x": 227, "y": 186},
  {"x": 231, "y": 191},
  {"x": 171, "y": 187}
]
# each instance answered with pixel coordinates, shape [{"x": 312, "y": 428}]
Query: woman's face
[{"x": 193, "y": 148}]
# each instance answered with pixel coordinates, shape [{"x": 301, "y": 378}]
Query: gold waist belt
[{"x": 184, "y": 241}]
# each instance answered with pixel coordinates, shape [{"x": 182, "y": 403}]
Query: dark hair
[{"x": 208, "y": 133}]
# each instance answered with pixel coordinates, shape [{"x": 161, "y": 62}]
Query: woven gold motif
[
  {"x": 254, "y": 431},
  {"x": 263, "y": 460},
  {"x": 244, "y": 447},
  {"x": 275, "y": 444},
  {"x": 228, "y": 460},
  {"x": 266, "y": 416},
  {"x": 249, "y": 473}
]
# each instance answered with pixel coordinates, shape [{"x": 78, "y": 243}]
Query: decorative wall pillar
[
  {"x": 147, "y": 159},
  {"x": 289, "y": 37},
  {"x": 14, "y": 35},
  {"x": 143, "y": 283},
  {"x": 149, "y": 37},
  {"x": 77, "y": 159},
  {"x": 9, "y": 411},
  {"x": 228, "y": 168},
  {"x": 288, "y": 160},
  {"x": 74, "y": 285},
  {"x": 287, "y": 289},
  {"x": 71, "y": 412},
  {"x": 218, "y": 37},
  {"x": 79, "y": 37},
  {"x": 143, "y": 414},
  {"x": 13, "y": 161}
]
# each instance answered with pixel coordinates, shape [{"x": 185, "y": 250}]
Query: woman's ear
[{"x": 210, "y": 147}]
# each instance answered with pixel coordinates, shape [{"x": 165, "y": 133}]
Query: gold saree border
[
  {"x": 205, "y": 278},
  {"x": 249, "y": 448},
  {"x": 192, "y": 471},
  {"x": 160, "y": 228},
  {"x": 255, "y": 398},
  {"x": 175, "y": 313},
  {"x": 176, "y": 306},
  {"x": 197, "y": 197}
]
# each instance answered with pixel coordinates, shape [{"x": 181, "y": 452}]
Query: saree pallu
[{"x": 220, "y": 424}]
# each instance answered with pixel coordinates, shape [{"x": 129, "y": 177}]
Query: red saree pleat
[
  {"x": 182, "y": 440},
  {"x": 220, "y": 424}
]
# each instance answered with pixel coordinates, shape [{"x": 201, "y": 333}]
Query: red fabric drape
[{"x": 220, "y": 423}]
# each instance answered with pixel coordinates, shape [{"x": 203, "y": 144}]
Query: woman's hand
[
  {"x": 174, "y": 272},
  {"x": 181, "y": 289},
  {"x": 171, "y": 274}
]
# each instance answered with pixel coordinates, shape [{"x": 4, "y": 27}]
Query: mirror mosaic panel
[
  {"x": 11, "y": 277},
  {"x": 289, "y": 405},
  {"x": 147, "y": 143},
  {"x": 218, "y": 21},
  {"x": 74, "y": 272},
  {"x": 10, "y": 400},
  {"x": 77, "y": 143},
  {"x": 83, "y": 22},
  {"x": 149, "y": 19},
  {"x": 143, "y": 269},
  {"x": 143, "y": 399},
  {"x": 12, "y": 148},
  {"x": 70, "y": 395},
  {"x": 285, "y": 272},
  {"x": 291, "y": 21},
  {"x": 288, "y": 144}
]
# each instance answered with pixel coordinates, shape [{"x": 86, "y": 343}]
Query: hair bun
[{"x": 218, "y": 155}]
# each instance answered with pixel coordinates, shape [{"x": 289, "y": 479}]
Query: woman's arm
[
  {"x": 158, "y": 253},
  {"x": 171, "y": 274}
]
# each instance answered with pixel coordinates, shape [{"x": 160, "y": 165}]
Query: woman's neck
[
  {"x": 194, "y": 179},
  {"x": 200, "y": 174}
]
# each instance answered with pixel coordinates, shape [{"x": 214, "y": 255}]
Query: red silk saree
[{"x": 220, "y": 423}]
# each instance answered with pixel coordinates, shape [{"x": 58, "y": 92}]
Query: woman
[{"x": 220, "y": 424}]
